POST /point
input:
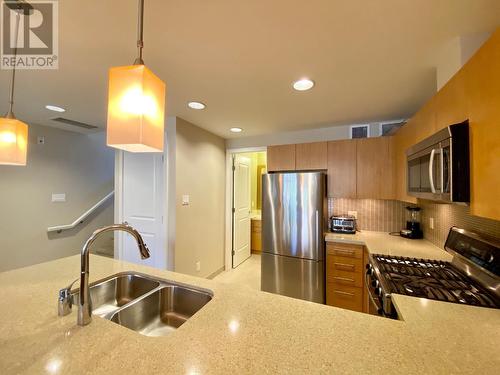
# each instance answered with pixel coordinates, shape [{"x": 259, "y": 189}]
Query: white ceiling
[{"x": 371, "y": 60}]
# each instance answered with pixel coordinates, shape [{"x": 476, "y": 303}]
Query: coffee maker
[{"x": 412, "y": 230}]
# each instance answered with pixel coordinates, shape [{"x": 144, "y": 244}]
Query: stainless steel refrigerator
[{"x": 293, "y": 223}]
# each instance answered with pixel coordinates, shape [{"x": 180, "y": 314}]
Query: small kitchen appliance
[
  {"x": 343, "y": 224},
  {"x": 412, "y": 230},
  {"x": 438, "y": 167},
  {"x": 471, "y": 278}
]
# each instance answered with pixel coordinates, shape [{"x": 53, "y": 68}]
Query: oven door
[{"x": 374, "y": 304}]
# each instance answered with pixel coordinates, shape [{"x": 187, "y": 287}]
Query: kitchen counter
[
  {"x": 384, "y": 243},
  {"x": 239, "y": 331}
]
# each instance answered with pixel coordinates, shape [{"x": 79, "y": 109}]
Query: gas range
[{"x": 472, "y": 278}]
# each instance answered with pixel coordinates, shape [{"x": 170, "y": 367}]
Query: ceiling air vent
[
  {"x": 360, "y": 131},
  {"x": 78, "y": 124},
  {"x": 390, "y": 129}
]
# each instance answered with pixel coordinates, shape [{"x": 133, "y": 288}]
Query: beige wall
[
  {"x": 200, "y": 173},
  {"x": 80, "y": 166}
]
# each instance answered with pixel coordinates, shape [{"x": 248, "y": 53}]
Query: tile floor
[{"x": 247, "y": 273}]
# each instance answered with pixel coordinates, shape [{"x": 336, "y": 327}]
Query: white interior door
[
  {"x": 142, "y": 206},
  {"x": 241, "y": 204}
]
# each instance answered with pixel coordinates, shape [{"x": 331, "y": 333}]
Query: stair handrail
[{"x": 82, "y": 217}]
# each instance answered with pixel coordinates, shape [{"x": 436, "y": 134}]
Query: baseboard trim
[{"x": 219, "y": 271}]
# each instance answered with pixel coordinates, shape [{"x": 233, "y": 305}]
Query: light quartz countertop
[
  {"x": 256, "y": 216},
  {"x": 384, "y": 243},
  {"x": 240, "y": 331}
]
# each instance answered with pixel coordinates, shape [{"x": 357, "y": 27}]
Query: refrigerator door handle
[{"x": 318, "y": 234}]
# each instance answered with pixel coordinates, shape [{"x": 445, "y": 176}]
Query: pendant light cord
[
  {"x": 140, "y": 34},
  {"x": 10, "y": 113}
]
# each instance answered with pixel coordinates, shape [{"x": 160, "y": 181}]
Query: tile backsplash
[
  {"x": 390, "y": 216},
  {"x": 447, "y": 215},
  {"x": 373, "y": 214}
]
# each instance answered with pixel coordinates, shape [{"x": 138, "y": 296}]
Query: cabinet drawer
[
  {"x": 256, "y": 226},
  {"x": 346, "y": 271},
  {"x": 344, "y": 250},
  {"x": 345, "y": 264},
  {"x": 350, "y": 298}
]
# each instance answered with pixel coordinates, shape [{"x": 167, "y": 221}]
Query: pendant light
[
  {"x": 136, "y": 104},
  {"x": 14, "y": 133}
]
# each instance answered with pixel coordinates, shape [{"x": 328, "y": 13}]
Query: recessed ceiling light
[
  {"x": 236, "y": 130},
  {"x": 303, "y": 84},
  {"x": 196, "y": 105},
  {"x": 55, "y": 108}
]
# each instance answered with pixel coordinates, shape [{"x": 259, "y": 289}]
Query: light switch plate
[
  {"x": 58, "y": 197},
  {"x": 185, "y": 200}
]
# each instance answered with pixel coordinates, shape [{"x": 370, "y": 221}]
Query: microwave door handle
[
  {"x": 441, "y": 151},
  {"x": 431, "y": 171}
]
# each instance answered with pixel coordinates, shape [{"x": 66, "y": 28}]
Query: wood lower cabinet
[
  {"x": 342, "y": 162},
  {"x": 311, "y": 156},
  {"x": 345, "y": 276},
  {"x": 256, "y": 236},
  {"x": 281, "y": 158}
]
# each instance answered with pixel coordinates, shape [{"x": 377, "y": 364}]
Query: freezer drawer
[{"x": 293, "y": 277}]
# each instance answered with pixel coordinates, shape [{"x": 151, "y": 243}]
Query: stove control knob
[
  {"x": 369, "y": 269},
  {"x": 375, "y": 283},
  {"x": 378, "y": 291}
]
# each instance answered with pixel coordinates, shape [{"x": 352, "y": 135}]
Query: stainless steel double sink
[{"x": 145, "y": 304}]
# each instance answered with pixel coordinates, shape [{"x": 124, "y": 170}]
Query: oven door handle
[{"x": 379, "y": 308}]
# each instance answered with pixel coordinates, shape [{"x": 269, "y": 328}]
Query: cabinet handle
[
  {"x": 344, "y": 266},
  {"x": 344, "y": 293},
  {"x": 345, "y": 252},
  {"x": 345, "y": 279}
]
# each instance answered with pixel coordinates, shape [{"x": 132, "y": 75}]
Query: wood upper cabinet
[
  {"x": 342, "y": 169},
  {"x": 402, "y": 141},
  {"x": 451, "y": 103},
  {"x": 310, "y": 156},
  {"x": 281, "y": 158},
  {"x": 375, "y": 168},
  {"x": 474, "y": 94},
  {"x": 482, "y": 80}
]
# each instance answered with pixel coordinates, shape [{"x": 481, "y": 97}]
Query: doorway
[{"x": 245, "y": 201}]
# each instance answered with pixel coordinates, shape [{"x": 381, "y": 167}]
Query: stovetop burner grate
[{"x": 432, "y": 279}]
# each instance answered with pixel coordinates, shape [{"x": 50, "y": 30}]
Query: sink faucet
[{"x": 84, "y": 302}]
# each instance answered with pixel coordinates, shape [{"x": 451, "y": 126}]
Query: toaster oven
[{"x": 343, "y": 224}]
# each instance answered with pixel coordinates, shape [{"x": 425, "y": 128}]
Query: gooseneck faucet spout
[{"x": 84, "y": 302}]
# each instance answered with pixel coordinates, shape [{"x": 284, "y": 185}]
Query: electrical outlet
[
  {"x": 431, "y": 223},
  {"x": 198, "y": 266},
  {"x": 58, "y": 197},
  {"x": 353, "y": 213}
]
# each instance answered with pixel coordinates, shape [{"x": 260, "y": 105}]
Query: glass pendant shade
[
  {"x": 13, "y": 141},
  {"x": 136, "y": 109}
]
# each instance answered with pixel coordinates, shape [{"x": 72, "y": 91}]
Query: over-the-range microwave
[{"x": 438, "y": 167}]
